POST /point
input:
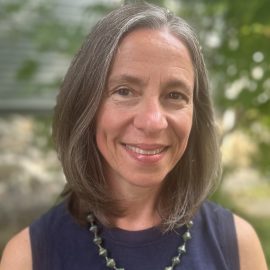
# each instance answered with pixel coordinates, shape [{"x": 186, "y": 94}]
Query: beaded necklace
[{"x": 110, "y": 262}]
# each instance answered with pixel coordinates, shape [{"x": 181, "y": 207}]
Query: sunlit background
[{"x": 37, "y": 41}]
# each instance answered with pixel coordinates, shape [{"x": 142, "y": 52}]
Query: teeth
[{"x": 144, "y": 152}]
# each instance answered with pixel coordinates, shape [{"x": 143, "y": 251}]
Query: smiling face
[{"x": 144, "y": 121}]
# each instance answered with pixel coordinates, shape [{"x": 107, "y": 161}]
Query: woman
[{"x": 135, "y": 133}]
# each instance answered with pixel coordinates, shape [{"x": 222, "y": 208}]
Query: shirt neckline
[{"x": 140, "y": 237}]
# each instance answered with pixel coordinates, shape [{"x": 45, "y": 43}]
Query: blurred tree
[
  {"x": 38, "y": 39},
  {"x": 236, "y": 38}
]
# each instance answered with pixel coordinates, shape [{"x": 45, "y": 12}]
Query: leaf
[{"x": 27, "y": 70}]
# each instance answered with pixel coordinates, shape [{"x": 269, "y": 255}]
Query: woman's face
[{"x": 144, "y": 122}]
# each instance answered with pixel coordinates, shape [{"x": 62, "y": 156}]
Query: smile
[{"x": 144, "y": 151}]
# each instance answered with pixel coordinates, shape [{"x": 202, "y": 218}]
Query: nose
[{"x": 150, "y": 117}]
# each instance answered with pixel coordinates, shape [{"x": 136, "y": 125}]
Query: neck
[
  {"x": 140, "y": 205},
  {"x": 138, "y": 216}
]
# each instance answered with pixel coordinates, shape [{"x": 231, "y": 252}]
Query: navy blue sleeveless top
[{"x": 59, "y": 243}]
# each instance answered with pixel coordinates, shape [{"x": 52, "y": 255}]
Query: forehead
[
  {"x": 147, "y": 52},
  {"x": 157, "y": 39},
  {"x": 152, "y": 35}
]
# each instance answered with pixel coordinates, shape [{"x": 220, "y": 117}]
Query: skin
[{"x": 146, "y": 117}]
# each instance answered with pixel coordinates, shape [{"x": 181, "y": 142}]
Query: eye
[
  {"x": 122, "y": 91},
  {"x": 174, "y": 95},
  {"x": 177, "y": 96}
]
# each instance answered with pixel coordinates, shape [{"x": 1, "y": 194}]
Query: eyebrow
[
  {"x": 127, "y": 78},
  {"x": 179, "y": 83}
]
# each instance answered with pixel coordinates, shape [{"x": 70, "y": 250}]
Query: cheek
[
  {"x": 182, "y": 133},
  {"x": 183, "y": 124},
  {"x": 108, "y": 127},
  {"x": 101, "y": 129},
  {"x": 100, "y": 140}
]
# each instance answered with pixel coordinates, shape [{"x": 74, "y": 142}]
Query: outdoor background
[{"x": 37, "y": 41}]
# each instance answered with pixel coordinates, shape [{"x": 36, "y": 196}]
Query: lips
[{"x": 147, "y": 150}]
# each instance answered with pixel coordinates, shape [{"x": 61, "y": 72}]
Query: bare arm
[
  {"x": 250, "y": 249},
  {"x": 17, "y": 253}
]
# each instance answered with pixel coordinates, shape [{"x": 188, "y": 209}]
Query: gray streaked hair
[{"x": 194, "y": 176}]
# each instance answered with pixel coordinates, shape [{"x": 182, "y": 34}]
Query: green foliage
[
  {"x": 99, "y": 9},
  {"x": 42, "y": 33},
  {"x": 236, "y": 37},
  {"x": 27, "y": 69},
  {"x": 262, "y": 160},
  {"x": 11, "y": 8}
]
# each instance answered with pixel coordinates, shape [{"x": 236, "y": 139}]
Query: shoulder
[
  {"x": 17, "y": 253},
  {"x": 27, "y": 246},
  {"x": 250, "y": 249}
]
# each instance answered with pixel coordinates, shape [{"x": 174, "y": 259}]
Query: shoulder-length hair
[{"x": 193, "y": 177}]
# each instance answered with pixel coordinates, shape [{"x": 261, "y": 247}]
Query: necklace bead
[
  {"x": 93, "y": 228},
  {"x": 102, "y": 252},
  {"x": 182, "y": 249},
  {"x": 97, "y": 240},
  {"x": 175, "y": 260},
  {"x": 110, "y": 262},
  {"x": 187, "y": 236}
]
